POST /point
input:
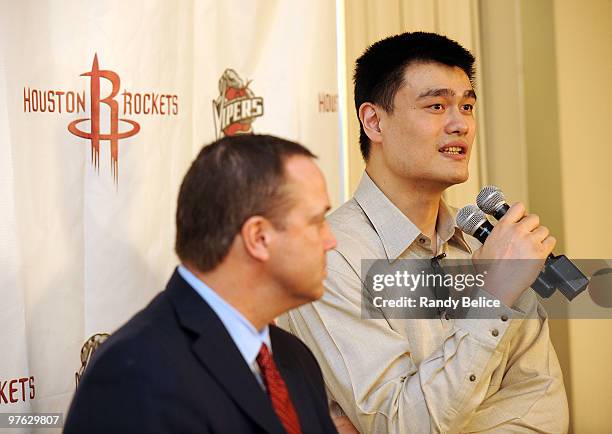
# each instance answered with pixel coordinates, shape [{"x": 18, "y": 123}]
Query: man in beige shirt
[{"x": 415, "y": 100}]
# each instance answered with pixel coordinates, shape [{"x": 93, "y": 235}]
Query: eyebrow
[
  {"x": 446, "y": 93},
  {"x": 321, "y": 214}
]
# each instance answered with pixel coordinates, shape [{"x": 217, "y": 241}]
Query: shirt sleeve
[
  {"x": 369, "y": 369},
  {"x": 531, "y": 395}
]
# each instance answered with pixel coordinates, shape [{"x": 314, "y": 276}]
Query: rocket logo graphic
[
  {"x": 94, "y": 134},
  {"x": 236, "y": 107}
]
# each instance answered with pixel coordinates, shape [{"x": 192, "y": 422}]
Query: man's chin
[
  {"x": 460, "y": 180},
  {"x": 317, "y": 292},
  {"x": 443, "y": 184},
  {"x": 456, "y": 178}
]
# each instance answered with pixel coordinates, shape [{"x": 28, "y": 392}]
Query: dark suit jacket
[{"x": 173, "y": 368}]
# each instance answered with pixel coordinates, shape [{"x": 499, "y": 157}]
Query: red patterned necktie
[{"x": 277, "y": 389}]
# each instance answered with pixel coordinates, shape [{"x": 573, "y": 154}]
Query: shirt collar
[
  {"x": 395, "y": 230},
  {"x": 447, "y": 229},
  {"x": 243, "y": 333}
]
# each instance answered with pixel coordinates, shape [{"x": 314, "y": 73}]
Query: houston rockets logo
[
  {"x": 236, "y": 107},
  {"x": 103, "y": 123},
  {"x": 94, "y": 134}
]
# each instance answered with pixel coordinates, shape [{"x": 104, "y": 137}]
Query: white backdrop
[{"x": 83, "y": 248}]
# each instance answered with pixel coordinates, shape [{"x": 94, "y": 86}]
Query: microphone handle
[
  {"x": 483, "y": 231},
  {"x": 501, "y": 211},
  {"x": 559, "y": 272},
  {"x": 541, "y": 286}
]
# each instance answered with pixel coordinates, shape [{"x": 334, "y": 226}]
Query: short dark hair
[
  {"x": 379, "y": 72},
  {"x": 232, "y": 179}
]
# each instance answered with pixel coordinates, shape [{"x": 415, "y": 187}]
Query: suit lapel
[
  {"x": 216, "y": 350},
  {"x": 296, "y": 384}
]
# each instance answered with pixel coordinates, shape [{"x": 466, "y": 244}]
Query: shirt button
[
  {"x": 504, "y": 318},
  {"x": 472, "y": 378},
  {"x": 421, "y": 240},
  {"x": 494, "y": 332}
]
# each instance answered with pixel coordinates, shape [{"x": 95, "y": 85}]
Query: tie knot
[
  {"x": 264, "y": 358},
  {"x": 278, "y": 392}
]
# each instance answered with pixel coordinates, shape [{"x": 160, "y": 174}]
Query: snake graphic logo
[
  {"x": 94, "y": 134},
  {"x": 236, "y": 107}
]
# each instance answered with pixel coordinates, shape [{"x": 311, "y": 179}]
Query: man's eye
[
  {"x": 436, "y": 107},
  {"x": 467, "y": 107}
]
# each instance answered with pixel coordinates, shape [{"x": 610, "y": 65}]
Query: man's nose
[
  {"x": 457, "y": 123},
  {"x": 330, "y": 239}
]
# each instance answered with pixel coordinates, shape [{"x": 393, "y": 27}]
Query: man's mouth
[
  {"x": 452, "y": 150},
  {"x": 458, "y": 149}
]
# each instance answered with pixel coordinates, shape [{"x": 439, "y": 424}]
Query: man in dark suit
[{"x": 202, "y": 357}]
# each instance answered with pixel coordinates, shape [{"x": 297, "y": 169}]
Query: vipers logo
[{"x": 236, "y": 107}]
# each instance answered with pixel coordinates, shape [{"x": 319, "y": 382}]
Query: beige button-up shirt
[{"x": 425, "y": 375}]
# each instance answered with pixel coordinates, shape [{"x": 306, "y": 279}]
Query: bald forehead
[
  {"x": 298, "y": 165},
  {"x": 305, "y": 179}
]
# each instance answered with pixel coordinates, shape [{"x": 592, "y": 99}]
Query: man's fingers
[
  {"x": 549, "y": 243},
  {"x": 540, "y": 233},
  {"x": 514, "y": 214},
  {"x": 530, "y": 222}
]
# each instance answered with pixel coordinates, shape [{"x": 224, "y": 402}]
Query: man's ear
[
  {"x": 256, "y": 233},
  {"x": 370, "y": 121}
]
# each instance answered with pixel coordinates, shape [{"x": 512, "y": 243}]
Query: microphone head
[
  {"x": 469, "y": 218},
  {"x": 490, "y": 199}
]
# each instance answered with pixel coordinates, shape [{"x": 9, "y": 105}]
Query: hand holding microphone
[
  {"x": 516, "y": 237},
  {"x": 520, "y": 237}
]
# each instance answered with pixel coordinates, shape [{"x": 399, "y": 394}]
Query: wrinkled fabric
[{"x": 425, "y": 375}]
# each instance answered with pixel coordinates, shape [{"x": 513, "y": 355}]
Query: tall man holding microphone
[{"x": 415, "y": 100}]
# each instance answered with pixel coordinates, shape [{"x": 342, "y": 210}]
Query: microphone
[
  {"x": 471, "y": 220},
  {"x": 492, "y": 201},
  {"x": 559, "y": 272}
]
